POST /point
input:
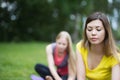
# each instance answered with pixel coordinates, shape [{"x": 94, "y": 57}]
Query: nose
[
  {"x": 60, "y": 46},
  {"x": 93, "y": 32}
]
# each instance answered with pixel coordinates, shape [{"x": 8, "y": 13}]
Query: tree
[{"x": 42, "y": 20}]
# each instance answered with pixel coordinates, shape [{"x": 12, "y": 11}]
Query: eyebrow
[
  {"x": 95, "y": 26},
  {"x": 98, "y": 26},
  {"x": 89, "y": 27}
]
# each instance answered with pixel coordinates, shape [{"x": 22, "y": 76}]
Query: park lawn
[{"x": 17, "y": 60}]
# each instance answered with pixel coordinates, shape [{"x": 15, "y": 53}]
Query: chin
[
  {"x": 95, "y": 43},
  {"x": 61, "y": 51}
]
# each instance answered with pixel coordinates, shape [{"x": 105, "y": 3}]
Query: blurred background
[
  {"x": 41, "y": 20},
  {"x": 27, "y": 26}
]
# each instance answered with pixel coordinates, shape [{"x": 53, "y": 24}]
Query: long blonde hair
[
  {"x": 70, "y": 50},
  {"x": 110, "y": 47}
]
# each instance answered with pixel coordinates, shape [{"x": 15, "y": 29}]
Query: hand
[{"x": 48, "y": 78}]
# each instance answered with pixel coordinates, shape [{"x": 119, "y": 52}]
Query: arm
[
  {"x": 116, "y": 72},
  {"x": 51, "y": 62},
  {"x": 80, "y": 67},
  {"x": 71, "y": 73}
]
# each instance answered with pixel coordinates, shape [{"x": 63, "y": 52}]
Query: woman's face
[
  {"x": 95, "y": 32},
  {"x": 62, "y": 44}
]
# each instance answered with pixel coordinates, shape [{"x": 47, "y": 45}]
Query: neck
[
  {"x": 61, "y": 53},
  {"x": 97, "y": 49}
]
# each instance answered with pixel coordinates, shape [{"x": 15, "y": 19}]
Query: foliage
[{"x": 41, "y": 20}]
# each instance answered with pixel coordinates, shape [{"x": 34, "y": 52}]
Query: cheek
[
  {"x": 87, "y": 34},
  {"x": 65, "y": 47},
  {"x": 102, "y": 35}
]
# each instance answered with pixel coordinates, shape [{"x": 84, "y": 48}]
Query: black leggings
[{"x": 44, "y": 71}]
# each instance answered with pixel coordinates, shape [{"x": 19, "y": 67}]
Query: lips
[{"x": 93, "y": 39}]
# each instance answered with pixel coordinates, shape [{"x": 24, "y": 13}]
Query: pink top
[{"x": 58, "y": 61}]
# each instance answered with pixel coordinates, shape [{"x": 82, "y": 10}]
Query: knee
[{"x": 37, "y": 67}]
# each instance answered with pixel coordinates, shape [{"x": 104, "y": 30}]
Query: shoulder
[
  {"x": 79, "y": 44},
  {"x": 79, "y": 47},
  {"x": 49, "y": 46},
  {"x": 53, "y": 44},
  {"x": 115, "y": 60},
  {"x": 119, "y": 56},
  {"x": 112, "y": 60}
]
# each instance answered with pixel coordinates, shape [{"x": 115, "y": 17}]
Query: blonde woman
[
  {"x": 60, "y": 55},
  {"x": 97, "y": 53}
]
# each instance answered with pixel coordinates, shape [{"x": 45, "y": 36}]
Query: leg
[
  {"x": 65, "y": 77},
  {"x": 42, "y": 70}
]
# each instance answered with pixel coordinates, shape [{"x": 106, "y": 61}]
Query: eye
[
  {"x": 64, "y": 44},
  {"x": 89, "y": 29},
  {"x": 59, "y": 43},
  {"x": 98, "y": 29}
]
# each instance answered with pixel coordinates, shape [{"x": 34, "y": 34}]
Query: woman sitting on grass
[{"x": 61, "y": 55}]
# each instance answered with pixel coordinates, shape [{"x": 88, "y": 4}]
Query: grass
[{"x": 17, "y": 60}]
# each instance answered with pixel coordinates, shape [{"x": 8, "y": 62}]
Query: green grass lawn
[{"x": 17, "y": 60}]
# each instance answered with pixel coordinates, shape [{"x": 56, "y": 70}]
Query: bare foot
[{"x": 48, "y": 78}]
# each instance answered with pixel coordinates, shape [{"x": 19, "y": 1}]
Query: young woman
[
  {"x": 97, "y": 54},
  {"x": 61, "y": 55}
]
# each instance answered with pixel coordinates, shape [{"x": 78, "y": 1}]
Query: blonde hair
[
  {"x": 110, "y": 47},
  {"x": 70, "y": 50}
]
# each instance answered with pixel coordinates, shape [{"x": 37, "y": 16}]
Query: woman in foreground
[{"x": 97, "y": 53}]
